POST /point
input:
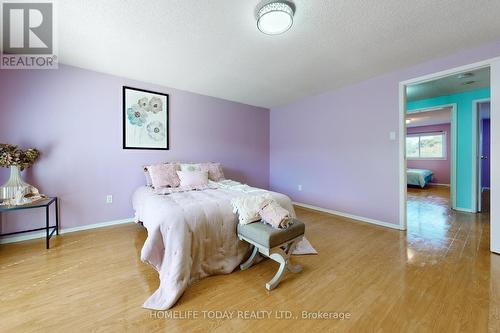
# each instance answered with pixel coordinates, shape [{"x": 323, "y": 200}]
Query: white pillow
[
  {"x": 190, "y": 167},
  {"x": 193, "y": 178}
]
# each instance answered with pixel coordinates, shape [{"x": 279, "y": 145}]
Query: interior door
[
  {"x": 483, "y": 156},
  {"x": 485, "y": 160}
]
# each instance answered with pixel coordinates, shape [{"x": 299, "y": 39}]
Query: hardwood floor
[
  {"x": 485, "y": 200},
  {"x": 439, "y": 276}
]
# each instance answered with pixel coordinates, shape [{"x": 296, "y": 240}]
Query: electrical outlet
[
  {"x": 109, "y": 199},
  {"x": 299, "y": 187}
]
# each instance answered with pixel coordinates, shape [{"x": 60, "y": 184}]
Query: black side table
[{"x": 38, "y": 204}]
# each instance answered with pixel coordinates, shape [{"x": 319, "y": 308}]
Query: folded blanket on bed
[
  {"x": 275, "y": 215},
  {"x": 235, "y": 186},
  {"x": 248, "y": 207}
]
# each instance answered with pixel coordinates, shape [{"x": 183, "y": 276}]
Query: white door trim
[
  {"x": 495, "y": 157},
  {"x": 453, "y": 146},
  {"x": 476, "y": 161},
  {"x": 451, "y": 71}
]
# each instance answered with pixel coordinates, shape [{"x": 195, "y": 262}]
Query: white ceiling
[
  {"x": 434, "y": 117},
  {"x": 450, "y": 85},
  {"x": 213, "y": 47}
]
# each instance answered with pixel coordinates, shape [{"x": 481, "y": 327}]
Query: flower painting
[{"x": 145, "y": 119}]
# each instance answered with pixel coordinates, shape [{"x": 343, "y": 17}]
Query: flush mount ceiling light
[{"x": 275, "y": 18}]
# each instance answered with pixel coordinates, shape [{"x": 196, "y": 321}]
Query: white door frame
[
  {"x": 495, "y": 156},
  {"x": 453, "y": 146},
  {"x": 495, "y": 88},
  {"x": 476, "y": 153}
]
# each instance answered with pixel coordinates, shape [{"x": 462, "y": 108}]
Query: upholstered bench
[{"x": 277, "y": 244}]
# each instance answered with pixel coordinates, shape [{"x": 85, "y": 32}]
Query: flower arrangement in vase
[{"x": 17, "y": 160}]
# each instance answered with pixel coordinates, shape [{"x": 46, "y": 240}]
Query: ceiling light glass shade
[{"x": 275, "y": 18}]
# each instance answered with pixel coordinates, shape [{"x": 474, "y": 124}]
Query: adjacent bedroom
[
  {"x": 249, "y": 166},
  {"x": 447, "y": 145}
]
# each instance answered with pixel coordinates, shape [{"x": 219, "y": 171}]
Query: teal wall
[{"x": 464, "y": 150}]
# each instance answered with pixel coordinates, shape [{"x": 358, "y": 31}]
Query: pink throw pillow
[
  {"x": 193, "y": 178},
  {"x": 214, "y": 171},
  {"x": 163, "y": 175}
]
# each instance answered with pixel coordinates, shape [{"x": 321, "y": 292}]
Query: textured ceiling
[
  {"x": 213, "y": 47},
  {"x": 434, "y": 117},
  {"x": 450, "y": 85}
]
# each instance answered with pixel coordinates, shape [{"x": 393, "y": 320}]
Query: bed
[
  {"x": 192, "y": 235},
  {"x": 419, "y": 177}
]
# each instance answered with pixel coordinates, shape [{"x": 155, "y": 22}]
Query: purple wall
[
  {"x": 337, "y": 144},
  {"x": 485, "y": 150},
  {"x": 74, "y": 117},
  {"x": 441, "y": 168}
]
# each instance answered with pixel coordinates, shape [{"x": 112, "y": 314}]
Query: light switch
[{"x": 392, "y": 136}]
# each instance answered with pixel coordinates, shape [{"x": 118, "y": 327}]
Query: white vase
[{"x": 14, "y": 185}]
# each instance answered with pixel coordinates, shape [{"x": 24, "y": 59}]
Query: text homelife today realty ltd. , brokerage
[{"x": 249, "y": 315}]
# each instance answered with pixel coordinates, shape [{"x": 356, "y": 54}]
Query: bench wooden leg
[
  {"x": 250, "y": 260},
  {"x": 283, "y": 258},
  {"x": 279, "y": 256}
]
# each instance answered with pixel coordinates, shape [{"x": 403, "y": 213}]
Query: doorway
[
  {"x": 430, "y": 149},
  {"x": 483, "y": 116},
  {"x": 494, "y": 215},
  {"x": 445, "y": 153},
  {"x": 466, "y": 203}
]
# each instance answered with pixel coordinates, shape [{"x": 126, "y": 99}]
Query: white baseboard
[
  {"x": 96, "y": 225},
  {"x": 41, "y": 234},
  {"x": 22, "y": 237},
  {"x": 439, "y": 184},
  {"x": 350, "y": 216},
  {"x": 466, "y": 210}
]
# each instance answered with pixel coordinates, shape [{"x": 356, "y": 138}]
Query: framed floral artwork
[{"x": 145, "y": 119}]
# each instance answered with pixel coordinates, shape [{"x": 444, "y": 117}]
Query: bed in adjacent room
[
  {"x": 192, "y": 234},
  {"x": 419, "y": 177}
]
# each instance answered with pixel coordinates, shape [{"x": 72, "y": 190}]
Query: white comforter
[{"x": 192, "y": 235}]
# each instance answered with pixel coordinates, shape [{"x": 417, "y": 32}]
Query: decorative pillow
[
  {"x": 164, "y": 175},
  {"x": 190, "y": 167},
  {"x": 214, "y": 171},
  {"x": 193, "y": 178}
]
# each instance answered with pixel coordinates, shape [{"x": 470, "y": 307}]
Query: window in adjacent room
[{"x": 426, "y": 146}]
